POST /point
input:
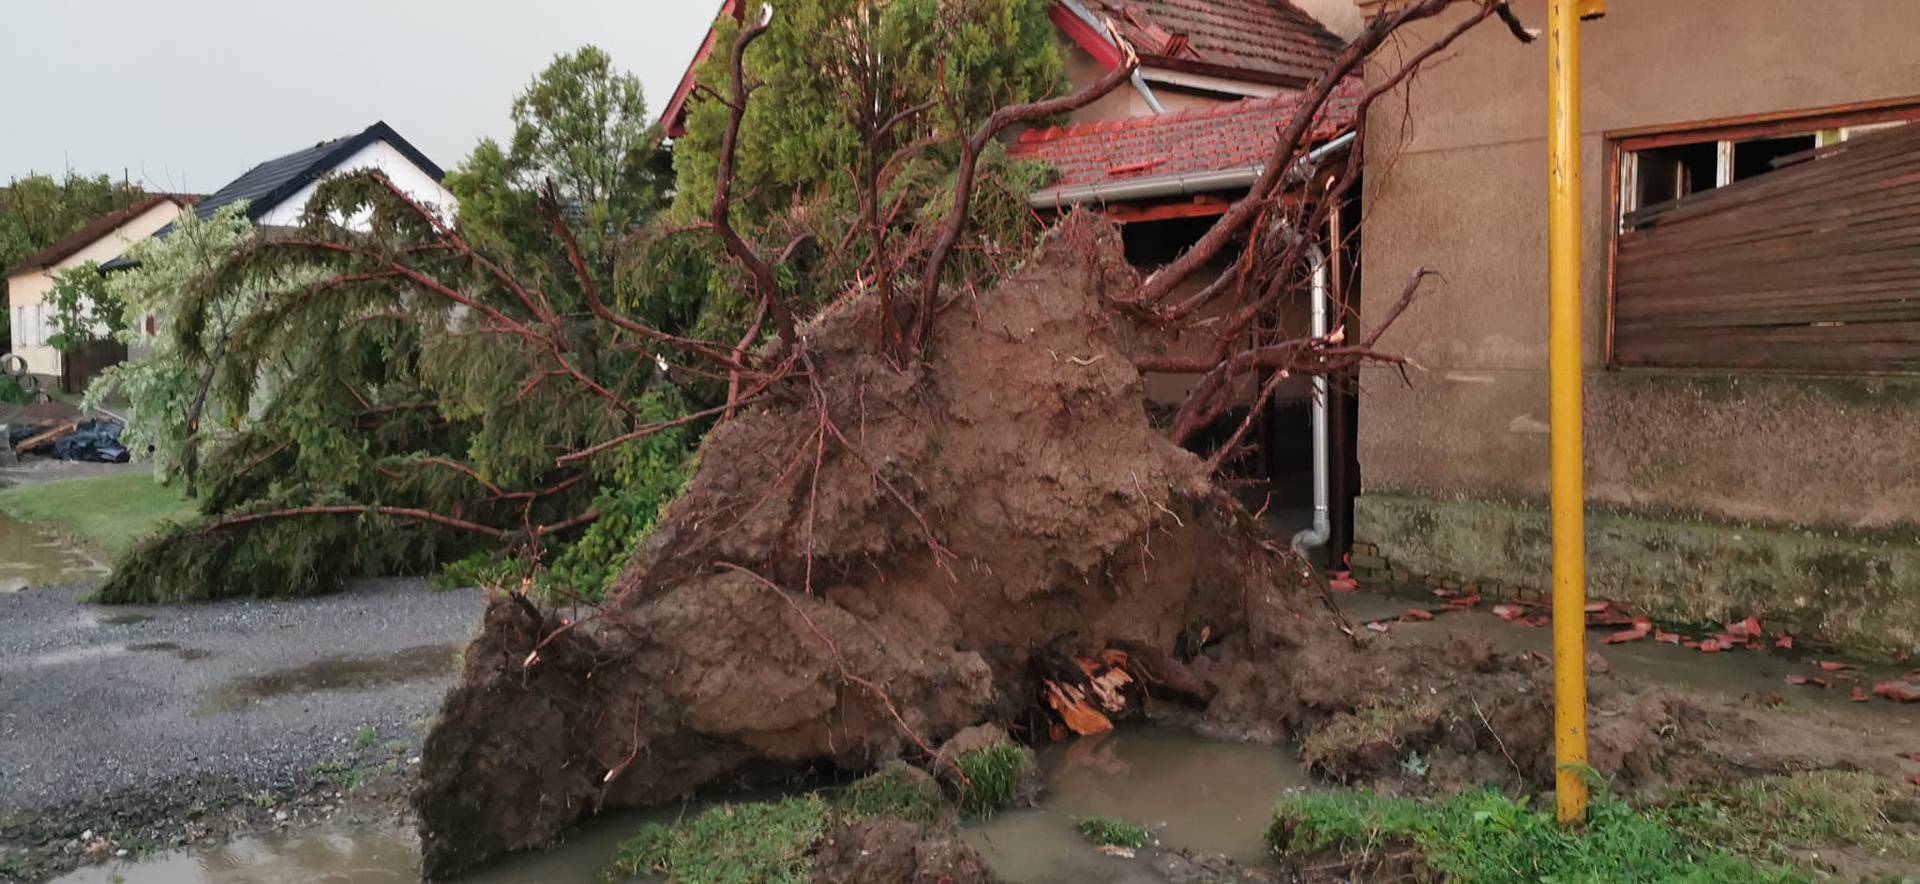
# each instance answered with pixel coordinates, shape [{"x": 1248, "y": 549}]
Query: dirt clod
[{"x": 883, "y": 849}]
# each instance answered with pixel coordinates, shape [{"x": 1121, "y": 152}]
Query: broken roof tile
[{"x": 1233, "y": 135}]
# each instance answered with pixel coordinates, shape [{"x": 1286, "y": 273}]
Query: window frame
[{"x": 1621, "y": 142}]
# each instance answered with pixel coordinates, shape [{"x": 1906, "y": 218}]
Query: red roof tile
[
  {"x": 1263, "y": 40},
  {"x": 1235, "y": 135}
]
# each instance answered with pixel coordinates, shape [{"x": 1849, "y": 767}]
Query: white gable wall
[{"x": 412, "y": 180}]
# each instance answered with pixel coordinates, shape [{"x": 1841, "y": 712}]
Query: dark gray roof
[{"x": 269, "y": 184}]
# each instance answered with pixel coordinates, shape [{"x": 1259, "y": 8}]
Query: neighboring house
[
  {"x": 1752, "y": 344},
  {"x": 101, "y": 241},
  {"x": 277, "y": 191}
]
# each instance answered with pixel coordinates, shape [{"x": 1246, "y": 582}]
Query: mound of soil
[
  {"x": 887, "y": 849},
  {"x": 876, "y": 559}
]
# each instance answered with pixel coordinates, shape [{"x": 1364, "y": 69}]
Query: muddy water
[
  {"x": 333, "y": 673},
  {"x": 1197, "y": 794},
  {"x": 31, "y": 557},
  {"x": 1208, "y": 796}
]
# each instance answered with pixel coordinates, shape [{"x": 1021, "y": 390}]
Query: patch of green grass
[
  {"x": 1114, "y": 833},
  {"x": 737, "y": 843},
  {"x": 648, "y": 852},
  {"x": 1485, "y": 836},
  {"x": 994, "y": 776},
  {"x": 730, "y": 844},
  {"x": 366, "y": 737},
  {"x": 1767, "y": 817},
  {"x": 897, "y": 790},
  {"x": 108, "y": 514},
  {"x": 1348, "y": 734}
]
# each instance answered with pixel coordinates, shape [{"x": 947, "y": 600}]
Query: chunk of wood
[
  {"x": 1072, "y": 706},
  {"x": 1164, "y": 676},
  {"x": 48, "y": 437}
]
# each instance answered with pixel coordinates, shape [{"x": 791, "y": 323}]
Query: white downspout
[
  {"x": 1322, "y": 512},
  {"x": 1139, "y": 82}
]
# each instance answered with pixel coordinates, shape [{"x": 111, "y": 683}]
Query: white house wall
[{"x": 412, "y": 180}]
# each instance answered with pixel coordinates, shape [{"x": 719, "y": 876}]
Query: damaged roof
[
  {"x": 1232, "y": 136},
  {"x": 1257, "y": 41},
  {"x": 1267, "y": 41}
]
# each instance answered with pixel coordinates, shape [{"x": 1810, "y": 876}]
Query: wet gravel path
[{"x": 102, "y": 704}]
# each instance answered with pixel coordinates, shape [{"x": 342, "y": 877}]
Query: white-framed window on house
[
  {"x": 30, "y": 326},
  {"x": 1781, "y": 243}
]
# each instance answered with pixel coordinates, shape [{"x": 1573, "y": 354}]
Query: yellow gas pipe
[{"x": 1564, "y": 379}]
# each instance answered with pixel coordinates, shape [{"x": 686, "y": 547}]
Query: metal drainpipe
[
  {"x": 1322, "y": 511},
  {"x": 1139, "y": 82}
]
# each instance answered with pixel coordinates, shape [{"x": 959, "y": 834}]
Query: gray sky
[{"x": 186, "y": 95}]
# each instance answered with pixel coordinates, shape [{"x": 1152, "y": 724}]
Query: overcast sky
[{"x": 186, "y": 95}]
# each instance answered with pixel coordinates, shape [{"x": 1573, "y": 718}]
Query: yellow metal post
[{"x": 1564, "y": 366}]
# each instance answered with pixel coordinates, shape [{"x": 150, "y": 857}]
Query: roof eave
[{"x": 1182, "y": 184}]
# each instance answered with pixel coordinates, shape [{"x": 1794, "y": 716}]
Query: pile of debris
[{"x": 92, "y": 440}]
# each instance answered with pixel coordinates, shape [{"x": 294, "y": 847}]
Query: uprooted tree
[{"x": 932, "y": 493}]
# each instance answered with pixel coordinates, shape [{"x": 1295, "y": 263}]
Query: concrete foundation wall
[
  {"x": 1457, "y": 184},
  {"x": 1853, "y": 590}
]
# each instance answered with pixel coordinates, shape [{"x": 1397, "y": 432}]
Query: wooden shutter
[{"x": 1814, "y": 266}]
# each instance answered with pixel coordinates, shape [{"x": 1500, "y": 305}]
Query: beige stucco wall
[
  {"x": 1124, "y": 101},
  {"x": 29, "y": 289},
  {"x": 1461, "y": 188},
  {"x": 1342, "y": 17}
]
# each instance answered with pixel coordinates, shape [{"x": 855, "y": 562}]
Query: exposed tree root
[{"x": 871, "y": 559}]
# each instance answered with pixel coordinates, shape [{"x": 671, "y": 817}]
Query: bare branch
[{"x": 997, "y": 122}]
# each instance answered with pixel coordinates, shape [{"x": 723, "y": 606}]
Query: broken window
[{"x": 1788, "y": 245}]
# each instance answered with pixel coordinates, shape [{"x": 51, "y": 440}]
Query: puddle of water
[
  {"x": 178, "y": 651},
  {"x": 123, "y": 619},
  {"x": 348, "y": 856},
  {"x": 1206, "y": 796},
  {"x": 31, "y": 557},
  {"x": 334, "y": 674},
  {"x": 1209, "y": 796}
]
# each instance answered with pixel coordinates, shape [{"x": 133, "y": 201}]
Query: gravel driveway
[{"x": 101, "y": 704}]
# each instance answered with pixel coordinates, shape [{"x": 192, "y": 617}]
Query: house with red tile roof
[{"x": 1224, "y": 72}]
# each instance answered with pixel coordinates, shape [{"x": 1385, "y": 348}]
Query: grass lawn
[{"x": 108, "y": 514}]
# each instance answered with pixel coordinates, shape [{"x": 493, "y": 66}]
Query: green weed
[
  {"x": 993, "y": 779},
  {"x": 1391, "y": 724},
  {"x": 1114, "y": 833},
  {"x": 343, "y": 774},
  {"x": 1484, "y": 836},
  {"x": 1767, "y": 817},
  {"x": 366, "y": 737},
  {"x": 730, "y": 844},
  {"x": 897, "y": 790}
]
